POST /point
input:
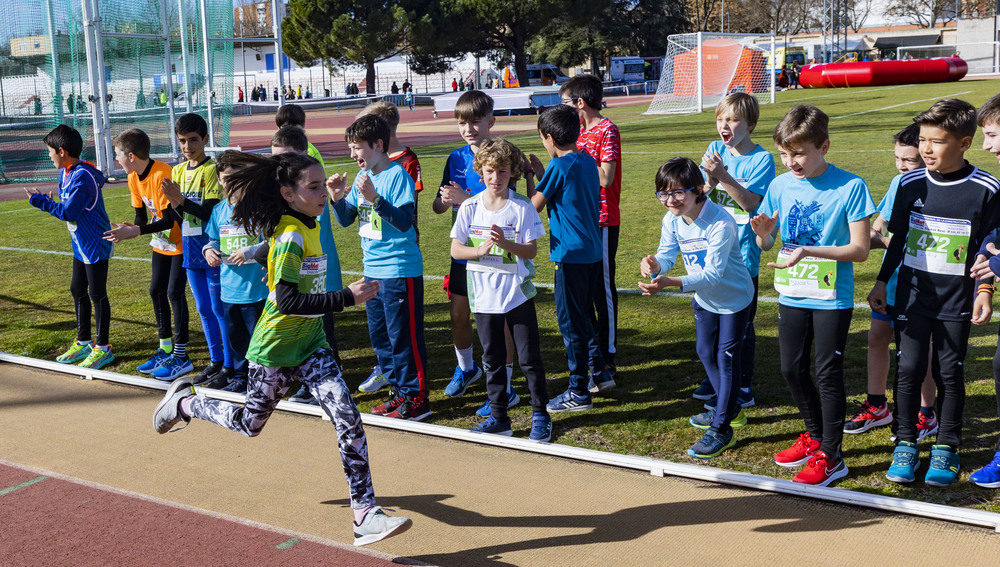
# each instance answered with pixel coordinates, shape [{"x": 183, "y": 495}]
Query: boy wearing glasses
[
  {"x": 599, "y": 139},
  {"x": 823, "y": 213},
  {"x": 569, "y": 188},
  {"x": 739, "y": 171},
  {"x": 705, "y": 236}
]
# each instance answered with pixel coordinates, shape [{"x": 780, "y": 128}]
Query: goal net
[
  {"x": 699, "y": 69},
  {"x": 982, "y": 58}
]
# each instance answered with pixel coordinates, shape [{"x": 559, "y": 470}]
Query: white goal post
[{"x": 699, "y": 69}]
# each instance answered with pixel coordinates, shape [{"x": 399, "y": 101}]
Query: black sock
[
  {"x": 873, "y": 400},
  {"x": 927, "y": 410}
]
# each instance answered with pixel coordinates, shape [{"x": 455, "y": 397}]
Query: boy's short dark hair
[
  {"x": 802, "y": 123},
  {"x": 585, "y": 87},
  {"x": 952, "y": 115},
  {"x": 681, "y": 172},
  {"x": 562, "y": 123},
  {"x": 289, "y": 136},
  {"x": 370, "y": 129},
  {"x": 290, "y": 114},
  {"x": 743, "y": 105},
  {"x": 67, "y": 138},
  {"x": 909, "y": 136},
  {"x": 133, "y": 141},
  {"x": 386, "y": 110},
  {"x": 989, "y": 112},
  {"x": 191, "y": 122},
  {"x": 473, "y": 105}
]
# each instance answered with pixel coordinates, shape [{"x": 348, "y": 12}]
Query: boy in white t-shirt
[{"x": 496, "y": 232}]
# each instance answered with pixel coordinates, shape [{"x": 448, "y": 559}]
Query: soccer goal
[{"x": 701, "y": 68}]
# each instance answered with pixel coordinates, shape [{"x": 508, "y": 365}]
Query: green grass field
[{"x": 658, "y": 368}]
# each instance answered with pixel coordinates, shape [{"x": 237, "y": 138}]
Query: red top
[
  {"x": 604, "y": 144},
  {"x": 411, "y": 164}
]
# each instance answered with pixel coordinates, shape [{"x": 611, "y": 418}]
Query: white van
[
  {"x": 545, "y": 74},
  {"x": 628, "y": 69}
]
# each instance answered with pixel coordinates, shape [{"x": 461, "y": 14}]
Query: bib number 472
[
  {"x": 804, "y": 271},
  {"x": 933, "y": 243}
]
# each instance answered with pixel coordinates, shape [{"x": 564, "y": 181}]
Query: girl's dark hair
[
  {"x": 255, "y": 183},
  {"x": 683, "y": 172}
]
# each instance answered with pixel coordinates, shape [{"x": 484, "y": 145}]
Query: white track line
[{"x": 899, "y": 105}]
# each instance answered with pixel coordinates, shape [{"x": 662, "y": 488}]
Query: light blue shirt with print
[
  {"x": 240, "y": 284},
  {"x": 818, "y": 212},
  {"x": 709, "y": 248},
  {"x": 754, "y": 171},
  {"x": 885, "y": 210},
  {"x": 393, "y": 254}
]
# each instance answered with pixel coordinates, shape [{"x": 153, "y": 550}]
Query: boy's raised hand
[
  {"x": 536, "y": 166},
  {"x": 981, "y": 268},
  {"x": 793, "y": 258},
  {"x": 213, "y": 257},
  {"x": 363, "y": 290},
  {"x": 238, "y": 257},
  {"x": 763, "y": 225},
  {"x": 654, "y": 286},
  {"x": 711, "y": 163},
  {"x": 123, "y": 231},
  {"x": 649, "y": 266},
  {"x": 367, "y": 188},
  {"x": 34, "y": 191},
  {"x": 336, "y": 186},
  {"x": 172, "y": 191},
  {"x": 452, "y": 194}
]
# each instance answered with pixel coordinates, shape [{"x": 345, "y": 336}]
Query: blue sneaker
[
  {"x": 172, "y": 367},
  {"x": 705, "y": 391},
  {"x": 512, "y": 400},
  {"x": 541, "y": 427},
  {"x": 303, "y": 396},
  {"x": 460, "y": 380},
  {"x": 943, "y": 470},
  {"x": 492, "y": 425},
  {"x": 704, "y": 420},
  {"x": 238, "y": 384},
  {"x": 570, "y": 401},
  {"x": 988, "y": 476},
  {"x": 154, "y": 362},
  {"x": 905, "y": 462},
  {"x": 744, "y": 399},
  {"x": 712, "y": 444}
]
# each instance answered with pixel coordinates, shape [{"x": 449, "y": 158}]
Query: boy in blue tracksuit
[
  {"x": 81, "y": 205},
  {"x": 739, "y": 170},
  {"x": 705, "y": 236},
  {"x": 381, "y": 199},
  {"x": 570, "y": 189}
]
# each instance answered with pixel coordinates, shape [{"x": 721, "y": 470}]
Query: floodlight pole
[
  {"x": 209, "y": 93},
  {"x": 54, "y": 47},
  {"x": 102, "y": 104},
  {"x": 773, "y": 61},
  {"x": 90, "y": 20},
  {"x": 278, "y": 55},
  {"x": 184, "y": 54},
  {"x": 169, "y": 87}
]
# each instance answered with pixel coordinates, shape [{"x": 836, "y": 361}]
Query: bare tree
[
  {"x": 704, "y": 14},
  {"x": 924, "y": 13},
  {"x": 856, "y": 13}
]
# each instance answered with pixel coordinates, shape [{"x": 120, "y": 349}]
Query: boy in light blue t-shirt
[
  {"x": 570, "y": 189},
  {"x": 823, "y": 214},
  {"x": 381, "y": 199},
  {"x": 739, "y": 170}
]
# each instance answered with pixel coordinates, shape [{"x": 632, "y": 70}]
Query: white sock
[
  {"x": 359, "y": 514},
  {"x": 464, "y": 356},
  {"x": 510, "y": 376}
]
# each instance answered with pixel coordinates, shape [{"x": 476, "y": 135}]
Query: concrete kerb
[{"x": 654, "y": 467}]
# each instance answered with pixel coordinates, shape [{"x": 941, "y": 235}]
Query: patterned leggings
[{"x": 268, "y": 384}]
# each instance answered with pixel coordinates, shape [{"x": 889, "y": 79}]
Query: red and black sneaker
[
  {"x": 799, "y": 453},
  {"x": 413, "y": 408},
  {"x": 390, "y": 405},
  {"x": 868, "y": 417},
  {"x": 821, "y": 470}
]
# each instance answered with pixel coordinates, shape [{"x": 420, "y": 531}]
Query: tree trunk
[{"x": 370, "y": 77}]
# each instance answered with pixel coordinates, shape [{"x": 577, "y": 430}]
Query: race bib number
[
  {"x": 497, "y": 259},
  {"x": 369, "y": 223},
  {"x": 231, "y": 239},
  {"x": 161, "y": 241},
  {"x": 693, "y": 253},
  {"x": 723, "y": 199},
  {"x": 312, "y": 276},
  {"x": 811, "y": 277},
  {"x": 937, "y": 245},
  {"x": 191, "y": 227}
]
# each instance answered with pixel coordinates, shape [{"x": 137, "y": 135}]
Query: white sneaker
[
  {"x": 378, "y": 525},
  {"x": 375, "y": 382}
]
